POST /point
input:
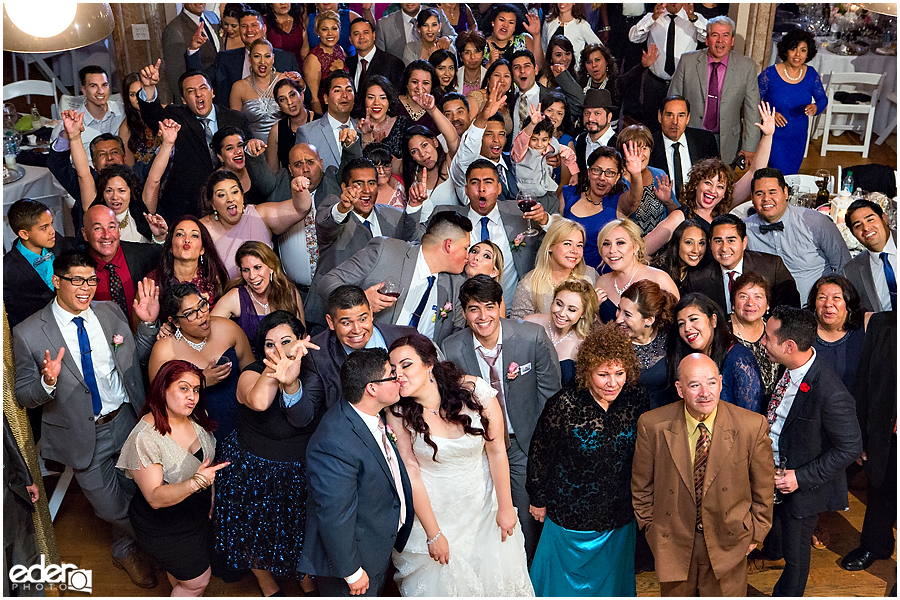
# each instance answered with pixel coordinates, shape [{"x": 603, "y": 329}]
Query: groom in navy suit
[{"x": 360, "y": 500}]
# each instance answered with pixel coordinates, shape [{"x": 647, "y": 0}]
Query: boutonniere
[
  {"x": 804, "y": 387},
  {"x": 517, "y": 243},
  {"x": 390, "y": 434},
  {"x": 444, "y": 312},
  {"x": 513, "y": 371},
  {"x": 117, "y": 340}
]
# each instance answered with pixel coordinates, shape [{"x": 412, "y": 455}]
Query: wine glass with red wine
[
  {"x": 527, "y": 202},
  {"x": 390, "y": 288}
]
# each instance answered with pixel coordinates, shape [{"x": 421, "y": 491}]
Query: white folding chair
[
  {"x": 807, "y": 181},
  {"x": 33, "y": 87},
  {"x": 67, "y": 102},
  {"x": 892, "y": 98},
  {"x": 871, "y": 84}
]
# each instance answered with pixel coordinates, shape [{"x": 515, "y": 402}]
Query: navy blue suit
[{"x": 353, "y": 508}]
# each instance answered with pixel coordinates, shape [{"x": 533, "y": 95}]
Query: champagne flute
[
  {"x": 780, "y": 468},
  {"x": 526, "y": 202}
]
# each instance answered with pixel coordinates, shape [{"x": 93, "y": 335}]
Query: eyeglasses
[
  {"x": 80, "y": 281},
  {"x": 194, "y": 313},
  {"x": 393, "y": 377},
  {"x": 598, "y": 172}
]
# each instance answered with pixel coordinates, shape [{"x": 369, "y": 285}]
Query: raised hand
[
  {"x": 169, "y": 130},
  {"x": 535, "y": 114},
  {"x": 299, "y": 184},
  {"x": 418, "y": 191},
  {"x": 662, "y": 187},
  {"x": 349, "y": 196},
  {"x": 146, "y": 302},
  {"x": 150, "y": 74},
  {"x": 295, "y": 76},
  {"x": 767, "y": 114},
  {"x": 496, "y": 99},
  {"x": 365, "y": 126},
  {"x": 533, "y": 25},
  {"x": 51, "y": 367},
  {"x": 659, "y": 10},
  {"x": 209, "y": 471},
  {"x": 495, "y": 53},
  {"x": 199, "y": 38},
  {"x": 158, "y": 226},
  {"x": 689, "y": 9},
  {"x": 425, "y": 100},
  {"x": 557, "y": 68},
  {"x": 347, "y": 136},
  {"x": 255, "y": 147},
  {"x": 632, "y": 155},
  {"x": 650, "y": 55},
  {"x": 73, "y": 123},
  {"x": 285, "y": 366},
  {"x": 377, "y": 300}
]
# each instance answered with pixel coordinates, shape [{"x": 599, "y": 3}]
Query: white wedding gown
[{"x": 462, "y": 496}]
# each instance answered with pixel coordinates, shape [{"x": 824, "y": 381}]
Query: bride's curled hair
[{"x": 456, "y": 394}]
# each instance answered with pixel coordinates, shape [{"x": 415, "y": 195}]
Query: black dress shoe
[{"x": 859, "y": 559}]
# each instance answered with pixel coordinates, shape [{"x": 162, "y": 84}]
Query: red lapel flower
[{"x": 804, "y": 387}]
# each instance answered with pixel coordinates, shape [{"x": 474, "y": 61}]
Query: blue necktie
[
  {"x": 414, "y": 319},
  {"x": 484, "y": 230},
  {"x": 891, "y": 279},
  {"x": 368, "y": 226},
  {"x": 87, "y": 365}
]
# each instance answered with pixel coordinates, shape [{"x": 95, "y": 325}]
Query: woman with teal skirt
[{"x": 579, "y": 474}]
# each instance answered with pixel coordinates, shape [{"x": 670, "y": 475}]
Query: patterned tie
[
  {"x": 485, "y": 234},
  {"x": 778, "y": 396},
  {"x": 414, "y": 319},
  {"x": 312, "y": 243},
  {"x": 504, "y": 188},
  {"x": 207, "y": 130},
  {"x": 676, "y": 166},
  {"x": 362, "y": 71},
  {"x": 891, "y": 279},
  {"x": 415, "y": 29},
  {"x": 523, "y": 110},
  {"x": 670, "y": 46},
  {"x": 116, "y": 289},
  {"x": 44, "y": 258},
  {"x": 711, "y": 120},
  {"x": 701, "y": 453},
  {"x": 497, "y": 384},
  {"x": 87, "y": 365},
  {"x": 394, "y": 466}
]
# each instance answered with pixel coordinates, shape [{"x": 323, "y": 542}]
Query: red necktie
[{"x": 362, "y": 71}]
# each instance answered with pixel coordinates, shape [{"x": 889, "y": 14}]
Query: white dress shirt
[
  {"x": 577, "y": 31},
  {"x": 417, "y": 288},
  {"x": 372, "y": 219},
  {"x": 590, "y": 145},
  {"x": 485, "y": 369},
  {"x": 790, "y": 393},
  {"x": 336, "y": 127},
  {"x": 409, "y": 26},
  {"x": 295, "y": 245},
  {"x": 109, "y": 123},
  {"x": 687, "y": 34},
  {"x": 739, "y": 270},
  {"x": 368, "y": 58},
  {"x": 498, "y": 235},
  {"x": 877, "y": 266},
  {"x": 112, "y": 390},
  {"x": 670, "y": 158}
]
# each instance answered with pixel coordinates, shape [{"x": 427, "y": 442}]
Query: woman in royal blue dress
[{"x": 789, "y": 86}]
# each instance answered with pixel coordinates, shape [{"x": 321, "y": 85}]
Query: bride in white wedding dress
[{"x": 466, "y": 539}]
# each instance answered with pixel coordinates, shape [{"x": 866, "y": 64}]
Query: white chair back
[
  {"x": 33, "y": 87},
  {"x": 869, "y": 83}
]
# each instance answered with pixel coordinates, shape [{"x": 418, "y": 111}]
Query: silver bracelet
[{"x": 434, "y": 539}]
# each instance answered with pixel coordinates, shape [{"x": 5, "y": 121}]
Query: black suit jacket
[
  {"x": 708, "y": 279},
  {"x": 24, "y": 292},
  {"x": 229, "y": 68},
  {"x": 141, "y": 258},
  {"x": 382, "y": 63},
  {"x": 320, "y": 373},
  {"x": 876, "y": 393},
  {"x": 820, "y": 438},
  {"x": 193, "y": 164},
  {"x": 701, "y": 144},
  {"x": 354, "y": 507}
]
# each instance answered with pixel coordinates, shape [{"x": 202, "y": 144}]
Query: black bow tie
[{"x": 767, "y": 227}]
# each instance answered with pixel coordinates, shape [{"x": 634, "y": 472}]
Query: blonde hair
[
  {"x": 560, "y": 229},
  {"x": 498, "y": 258},
  {"x": 327, "y": 15},
  {"x": 589, "y": 302},
  {"x": 633, "y": 231}
]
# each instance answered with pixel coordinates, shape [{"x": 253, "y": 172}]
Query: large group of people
[{"x": 452, "y": 294}]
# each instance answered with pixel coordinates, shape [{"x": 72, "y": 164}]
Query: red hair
[{"x": 156, "y": 397}]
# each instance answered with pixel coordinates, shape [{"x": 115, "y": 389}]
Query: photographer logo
[{"x": 50, "y": 577}]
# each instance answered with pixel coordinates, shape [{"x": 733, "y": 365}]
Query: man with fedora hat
[{"x": 598, "y": 129}]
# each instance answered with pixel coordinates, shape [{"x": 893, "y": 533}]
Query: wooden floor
[
  {"x": 84, "y": 540},
  {"x": 885, "y": 154}
]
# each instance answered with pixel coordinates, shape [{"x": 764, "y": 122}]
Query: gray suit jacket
[
  {"x": 176, "y": 38},
  {"x": 384, "y": 257},
  {"x": 740, "y": 92},
  {"x": 514, "y": 224},
  {"x": 528, "y": 345},
  {"x": 319, "y": 134},
  {"x": 390, "y": 35},
  {"x": 67, "y": 422},
  {"x": 859, "y": 272}
]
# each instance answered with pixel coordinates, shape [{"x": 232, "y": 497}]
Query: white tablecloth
[
  {"x": 37, "y": 184},
  {"x": 825, "y": 62}
]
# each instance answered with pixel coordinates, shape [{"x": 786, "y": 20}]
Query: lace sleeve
[
  {"x": 483, "y": 391},
  {"x": 742, "y": 381},
  {"x": 542, "y": 460},
  {"x": 141, "y": 449},
  {"x": 763, "y": 82},
  {"x": 523, "y": 303},
  {"x": 818, "y": 91}
]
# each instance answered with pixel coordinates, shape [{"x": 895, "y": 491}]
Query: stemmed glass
[
  {"x": 10, "y": 116},
  {"x": 527, "y": 202},
  {"x": 780, "y": 468},
  {"x": 390, "y": 288}
]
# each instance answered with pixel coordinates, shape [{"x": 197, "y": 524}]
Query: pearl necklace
[
  {"x": 560, "y": 341},
  {"x": 799, "y": 77},
  {"x": 198, "y": 346},
  {"x": 265, "y": 306},
  {"x": 616, "y": 285}
]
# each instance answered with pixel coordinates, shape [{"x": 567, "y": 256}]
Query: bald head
[
  {"x": 304, "y": 160},
  {"x": 101, "y": 232},
  {"x": 699, "y": 384}
]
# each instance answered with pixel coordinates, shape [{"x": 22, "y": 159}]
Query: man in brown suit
[{"x": 700, "y": 539}]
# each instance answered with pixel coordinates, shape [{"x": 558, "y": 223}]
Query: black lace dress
[{"x": 652, "y": 358}]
